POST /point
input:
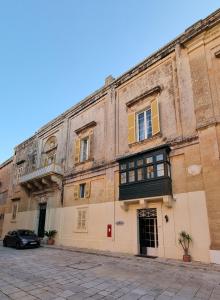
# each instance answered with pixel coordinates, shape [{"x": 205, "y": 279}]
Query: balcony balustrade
[{"x": 42, "y": 177}]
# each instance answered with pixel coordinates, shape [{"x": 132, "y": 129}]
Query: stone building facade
[{"x": 134, "y": 163}]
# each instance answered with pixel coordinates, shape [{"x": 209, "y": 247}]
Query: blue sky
[{"x": 54, "y": 53}]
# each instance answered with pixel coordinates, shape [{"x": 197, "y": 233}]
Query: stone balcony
[{"x": 43, "y": 177}]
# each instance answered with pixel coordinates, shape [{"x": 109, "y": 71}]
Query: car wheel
[
  {"x": 18, "y": 246},
  {"x": 4, "y": 243}
]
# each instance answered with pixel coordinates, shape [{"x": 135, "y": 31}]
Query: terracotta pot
[
  {"x": 187, "y": 258},
  {"x": 50, "y": 242}
]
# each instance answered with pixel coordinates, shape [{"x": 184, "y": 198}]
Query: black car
[{"x": 21, "y": 238}]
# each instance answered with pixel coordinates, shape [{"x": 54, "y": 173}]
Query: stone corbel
[
  {"x": 143, "y": 203},
  {"x": 38, "y": 185},
  {"x": 217, "y": 54},
  {"x": 56, "y": 180},
  {"x": 45, "y": 181},
  {"x": 124, "y": 206},
  {"x": 168, "y": 201},
  {"x": 29, "y": 186}
]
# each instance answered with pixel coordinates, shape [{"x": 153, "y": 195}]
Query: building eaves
[{"x": 5, "y": 163}]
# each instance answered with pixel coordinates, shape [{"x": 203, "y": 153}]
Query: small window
[
  {"x": 149, "y": 160},
  {"x": 131, "y": 164},
  {"x": 84, "y": 149},
  {"x": 160, "y": 170},
  {"x": 140, "y": 162},
  {"x": 140, "y": 174},
  {"x": 131, "y": 176},
  {"x": 159, "y": 157},
  {"x": 82, "y": 188},
  {"x": 150, "y": 172},
  {"x": 123, "y": 167},
  {"x": 123, "y": 178},
  {"x": 82, "y": 220},
  {"x": 144, "y": 125}
]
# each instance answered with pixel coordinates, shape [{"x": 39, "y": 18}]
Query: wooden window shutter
[
  {"x": 91, "y": 146},
  {"x": 76, "y": 192},
  {"x": 87, "y": 190},
  {"x": 155, "y": 117},
  {"x": 77, "y": 151},
  {"x": 131, "y": 128}
]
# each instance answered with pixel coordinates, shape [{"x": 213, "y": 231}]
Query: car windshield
[{"x": 26, "y": 232}]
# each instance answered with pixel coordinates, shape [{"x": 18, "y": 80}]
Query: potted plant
[
  {"x": 50, "y": 234},
  {"x": 185, "y": 240}
]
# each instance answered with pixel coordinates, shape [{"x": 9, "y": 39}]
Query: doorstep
[{"x": 131, "y": 257}]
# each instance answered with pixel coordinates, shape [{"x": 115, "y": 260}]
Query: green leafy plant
[
  {"x": 185, "y": 240},
  {"x": 50, "y": 233}
]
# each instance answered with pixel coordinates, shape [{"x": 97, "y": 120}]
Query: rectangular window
[
  {"x": 131, "y": 176},
  {"x": 14, "y": 211},
  {"x": 160, "y": 170},
  {"x": 159, "y": 157},
  {"x": 150, "y": 172},
  {"x": 131, "y": 164},
  {"x": 140, "y": 174},
  {"x": 82, "y": 188},
  {"x": 149, "y": 160},
  {"x": 123, "y": 167},
  {"x": 123, "y": 178},
  {"x": 84, "y": 149},
  {"x": 144, "y": 125},
  {"x": 140, "y": 162},
  {"x": 82, "y": 220},
  {"x": 20, "y": 170}
]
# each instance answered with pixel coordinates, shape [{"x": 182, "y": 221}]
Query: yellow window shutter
[
  {"x": 87, "y": 190},
  {"x": 77, "y": 151},
  {"x": 91, "y": 146},
  {"x": 155, "y": 117},
  {"x": 76, "y": 192},
  {"x": 131, "y": 128}
]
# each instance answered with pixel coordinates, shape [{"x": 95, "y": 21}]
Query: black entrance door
[
  {"x": 42, "y": 217},
  {"x": 148, "y": 234}
]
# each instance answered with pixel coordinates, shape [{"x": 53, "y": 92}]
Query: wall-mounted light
[{"x": 166, "y": 218}]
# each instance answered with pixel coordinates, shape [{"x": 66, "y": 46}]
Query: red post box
[{"x": 109, "y": 230}]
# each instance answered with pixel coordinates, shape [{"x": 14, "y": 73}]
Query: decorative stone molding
[
  {"x": 155, "y": 90},
  {"x": 85, "y": 127},
  {"x": 217, "y": 54},
  {"x": 194, "y": 170}
]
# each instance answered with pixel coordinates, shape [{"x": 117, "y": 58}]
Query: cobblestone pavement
[{"x": 46, "y": 273}]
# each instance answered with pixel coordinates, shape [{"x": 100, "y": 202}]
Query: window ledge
[
  {"x": 145, "y": 141},
  {"x": 81, "y": 231},
  {"x": 84, "y": 162}
]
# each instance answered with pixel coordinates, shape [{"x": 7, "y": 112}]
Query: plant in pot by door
[
  {"x": 50, "y": 234},
  {"x": 185, "y": 240}
]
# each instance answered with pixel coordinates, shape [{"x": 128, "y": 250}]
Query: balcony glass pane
[
  {"x": 131, "y": 176},
  {"x": 149, "y": 160},
  {"x": 131, "y": 164},
  {"x": 140, "y": 174},
  {"x": 159, "y": 157},
  {"x": 140, "y": 162},
  {"x": 123, "y": 178},
  {"x": 123, "y": 167},
  {"x": 150, "y": 172},
  {"x": 160, "y": 170}
]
